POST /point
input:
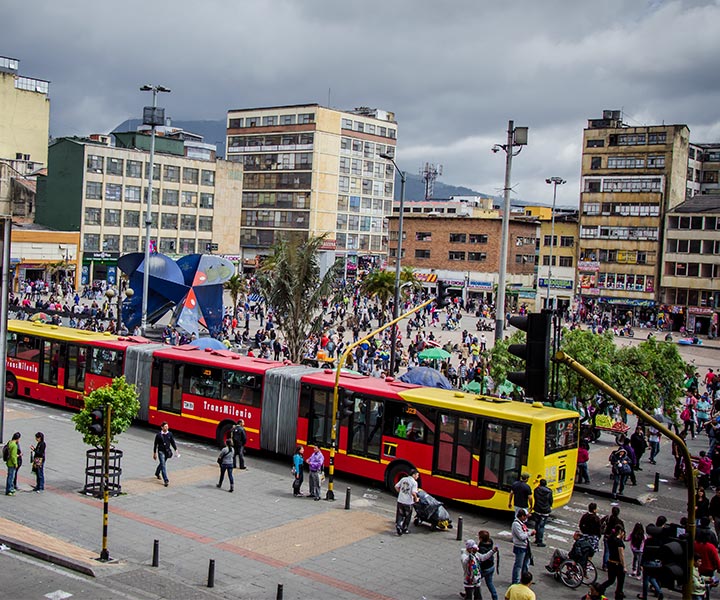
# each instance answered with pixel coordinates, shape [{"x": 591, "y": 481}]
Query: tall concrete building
[
  {"x": 703, "y": 174},
  {"x": 311, "y": 170},
  {"x": 631, "y": 176},
  {"x": 99, "y": 189}
]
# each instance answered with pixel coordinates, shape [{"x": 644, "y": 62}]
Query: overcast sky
[{"x": 453, "y": 72}]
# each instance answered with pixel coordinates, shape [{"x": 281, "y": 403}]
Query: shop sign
[
  {"x": 561, "y": 284},
  {"x": 328, "y": 244},
  {"x": 102, "y": 255},
  {"x": 700, "y": 310},
  {"x": 589, "y": 265},
  {"x": 454, "y": 282},
  {"x": 426, "y": 277},
  {"x": 480, "y": 285}
]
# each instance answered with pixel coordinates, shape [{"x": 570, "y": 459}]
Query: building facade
[
  {"x": 631, "y": 176},
  {"x": 99, "y": 189},
  {"x": 690, "y": 284},
  {"x": 703, "y": 174},
  {"x": 38, "y": 253},
  {"x": 310, "y": 170},
  {"x": 462, "y": 254}
]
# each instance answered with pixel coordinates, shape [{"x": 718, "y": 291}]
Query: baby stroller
[{"x": 432, "y": 511}]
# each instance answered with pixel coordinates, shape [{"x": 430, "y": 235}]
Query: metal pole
[
  {"x": 4, "y": 291},
  {"x": 552, "y": 244},
  {"x": 148, "y": 221},
  {"x": 500, "y": 296},
  {"x": 104, "y": 554},
  {"x": 335, "y": 425},
  {"x": 666, "y": 431},
  {"x": 398, "y": 259}
]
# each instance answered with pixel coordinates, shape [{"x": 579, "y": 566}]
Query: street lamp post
[
  {"x": 151, "y": 116},
  {"x": 516, "y": 136},
  {"x": 555, "y": 181},
  {"x": 398, "y": 259},
  {"x": 110, "y": 293}
]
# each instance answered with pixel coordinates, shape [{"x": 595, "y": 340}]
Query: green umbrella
[
  {"x": 434, "y": 354},
  {"x": 473, "y": 387},
  {"x": 506, "y": 388}
]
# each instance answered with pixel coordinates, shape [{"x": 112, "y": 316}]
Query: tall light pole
[
  {"x": 398, "y": 258},
  {"x": 152, "y": 116},
  {"x": 516, "y": 136},
  {"x": 555, "y": 181}
]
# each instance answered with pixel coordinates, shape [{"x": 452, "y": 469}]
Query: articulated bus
[{"x": 467, "y": 447}]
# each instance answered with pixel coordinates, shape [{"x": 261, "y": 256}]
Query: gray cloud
[{"x": 453, "y": 72}]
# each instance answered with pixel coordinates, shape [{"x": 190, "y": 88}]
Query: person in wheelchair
[{"x": 582, "y": 549}]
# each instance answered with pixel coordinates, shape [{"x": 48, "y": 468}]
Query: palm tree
[
  {"x": 409, "y": 281},
  {"x": 379, "y": 284},
  {"x": 236, "y": 286},
  {"x": 291, "y": 283}
]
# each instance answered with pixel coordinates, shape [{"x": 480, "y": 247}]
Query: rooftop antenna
[
  {"x": 429, "y": 173},
  {"x": 328, "y": 104}
]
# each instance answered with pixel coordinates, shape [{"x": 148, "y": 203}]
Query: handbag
[{"x": 37, "y": 462}]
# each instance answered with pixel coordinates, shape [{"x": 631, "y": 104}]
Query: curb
[
  {"x": 47, "y": 556},
  {"x": 608, "y": 495}
]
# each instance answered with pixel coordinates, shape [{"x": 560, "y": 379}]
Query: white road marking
[{"x": 58, "y": 595}]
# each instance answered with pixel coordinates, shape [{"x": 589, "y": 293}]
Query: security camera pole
[{"x": 517, "y": 136}]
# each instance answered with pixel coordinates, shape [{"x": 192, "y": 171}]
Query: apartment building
[
  {"x": 462, "y": 254},
  {"x": 311, "y": 170},
  {"x": 24, "y": 130},
  {"x": 631, "y": 176},
  {"x": 98, "y": 185},
  {"x": 703, "y": 173},
  {"x": 690, "y": 284}
]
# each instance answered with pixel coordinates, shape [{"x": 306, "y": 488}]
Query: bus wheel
[
  {"x": 11, "y": 386},
  {"x": 395, "y": 473},
  {"x": 223, "y": 432}
]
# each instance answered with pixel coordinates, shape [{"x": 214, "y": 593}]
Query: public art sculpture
[{"x": 192, "y": 287}]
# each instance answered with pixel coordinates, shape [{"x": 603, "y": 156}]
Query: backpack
[
  {"x": 6, "y": 452},
  {"x": 603, "y": 524}
]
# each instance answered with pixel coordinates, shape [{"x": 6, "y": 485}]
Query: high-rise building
[
  {"x": 703, "y": 172},
  {"x": 311, "y": 170},
  {"x": 631, "y": 176}
]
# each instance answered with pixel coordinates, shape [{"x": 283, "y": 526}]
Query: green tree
[
  {"x": 291, "y": 283},
  {"x": 409, "y": 281},
  {"x": 379, "y": 284},
  {"x": 236, "y": 286},
  {"x": 501, "y": 361},
  {"x": 123, "y": 399}
]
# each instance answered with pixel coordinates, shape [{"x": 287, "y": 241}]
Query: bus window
[
  {"x": 12, "y": 343},
  {"x": 170, "y": 392},
  {"x": 203, "y": 381},
  {"x": 75, "y": 368},
  {"x": 406, "y": 422},
  {"x": 106, "y": 363},
  {"x": 561, "y": 435},
  {"x": 453, "y": 455},
  {"x": 28, "y": 348},
  {"x": 319, "y": 417},
  {"x": 241, "y": 388},
  {"x": 504, "y": 452},
  {"x": 51, "y": 362}
]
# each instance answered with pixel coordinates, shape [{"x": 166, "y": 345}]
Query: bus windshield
[{"x": 561, "y": 435}]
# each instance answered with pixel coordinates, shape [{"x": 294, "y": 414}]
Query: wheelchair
[{"x": 573, "y": 573}]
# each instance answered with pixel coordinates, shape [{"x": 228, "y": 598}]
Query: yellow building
[
  {"x": 40, "y": 253},
  {"x": 310, "y": 170},
  {"x": 24, "y": 115},
  {"x": 631, "y": 176}
]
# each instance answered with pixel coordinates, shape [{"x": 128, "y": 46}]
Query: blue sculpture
[{"x": 192, "y": 287}]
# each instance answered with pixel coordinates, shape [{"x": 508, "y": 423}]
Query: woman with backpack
[
  {"x": 487, "y": 567},
  {"x": 621, "y": 470},
  {"x": 226, "y": 460}
]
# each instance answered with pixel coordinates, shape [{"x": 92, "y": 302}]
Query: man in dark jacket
[
  {"x": 239, "y": 438},
  {"x": 542, "y": 504},
  {"x": 162, "y": 450},
  {"x": 590, "y": 524}
]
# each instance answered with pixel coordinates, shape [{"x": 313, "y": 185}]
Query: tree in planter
[{"x": 123, "y": 399}]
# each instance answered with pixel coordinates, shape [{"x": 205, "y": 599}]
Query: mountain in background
[{"x": 214, "y": 132}]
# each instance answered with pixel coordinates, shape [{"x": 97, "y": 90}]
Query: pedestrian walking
[
  {"x": 616, "y": 563},
  {"x": 487, "y": 566},
  {"x": 297, "y": 471},
  {"x": 38, "y": 461},
  {"x": 654, "y": 443},
  {"x": 520, "y": 494},
  {"x": 239, "y": 439},
  {"x": 637, "y": 546},
  {"x": 11, "y": 453},
  {"x": 407, "y": 489},
  {"x": 583, "y": 475},
  {"x": 621, "y": 470},
  {"x": 226, "y": 460},
  {"x": 521, "y": 544},
  {"x": 163, "y": 451},
  {"x": 542, "y": 503},
  {"x": 608, "y": 524},
  {"x": 315, "y": 463}
]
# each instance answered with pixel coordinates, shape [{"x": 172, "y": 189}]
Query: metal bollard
[
  {"x": 156, "y": 553},
  {"x": 347, "y": 499},
  {"x": 656, "y": 487},
  {"x": 459, "y": 532},
  {"x": 279, "y": 595},
  {"x": 211, "y": 574}
]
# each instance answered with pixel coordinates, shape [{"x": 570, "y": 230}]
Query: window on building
[
  {"x": 458, "y": 238},
  {"x": 305, "y": 118},
  {"x": 423, "y": 236},
  {"x": 287, "y": 119},
  {"x": 187, "y": 246},
  {"x": 112, "y": 217},
  {"x": 420, "y": 253},
  {"x": 156, "y": 171},
  {"x": 92, "y": 216},
  {"x": 170, "y": 197},
  {"x": 596, "y": 162},
  {"x": 132, "y": 218},
  {"x": 207, "y": 177},
  {"x": 114, "y": 166},
  {"x": 111, "y": 243},
  {"x": 546, "y": 260},
  {"x": 549, "y": 240},
  {"x": 133, "y": 193},
  {"x": 113, "y": 191},
  {"x": 91, "y": 242},
  {"x": 592, "y": 185},
  {"x": 269, "y": 121},
  {"x": 95, "y": 163},
  {"x": 477, "y": 256},
  {"x": 565, "y": 261},
  {"x": 93, "y": 190},
  {"x": 478, "y": 238},
  {"x": 595, "y": 143},
  {"x": 625, "y": 162},
  {"x": 133, "y": 168},
  {"x": 235, "y": 123},
  {"x": 190, "y": 175},
  {"x": 187, "y": 222},
  {"x": 206, "y": 200},
  {"x": 655, "y": 162},
  {"x": 130, "y": 243},
  {"x": 167, "y": 245},
  {"x": 168, "y": 221},
  {"x": 189, "y": 199},
  {"x": 171, "y": 173},
  {"x": 567, "y": 241},
  {"x": 205, "y": 223},
  {"x": 657, "y": 138},
  {"x": 456, "y": 255}
]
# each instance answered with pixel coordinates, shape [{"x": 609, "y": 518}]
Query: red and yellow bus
[{"x": 466, "y": 447}]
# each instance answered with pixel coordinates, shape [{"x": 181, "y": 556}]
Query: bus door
[
  {"x": 52, "y": 362},
  {"x": 171, "y": 388},
  {"x": 365, "y": 428},
  {"x": 504, "y": 452},
  {"x": 75, "y": 363},
  {"x": 454, "y": 445}
]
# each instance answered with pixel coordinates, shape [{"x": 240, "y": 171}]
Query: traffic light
[
  {"x": 97, "y": 421},
  {"x": 347, "y": 405},
  {"x": 441, "y": 294},
  {"x": 535, "y": 352},
  {"x": 674, "y": 559}
]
